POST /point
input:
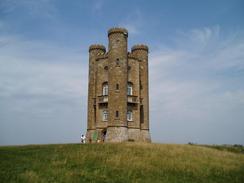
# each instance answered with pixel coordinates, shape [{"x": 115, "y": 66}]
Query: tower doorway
[{"x": 104, "y": 132}]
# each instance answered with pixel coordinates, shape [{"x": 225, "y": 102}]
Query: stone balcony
[
  {"x": 103, "y": 99},
  {"x": 132, "y": 99}
]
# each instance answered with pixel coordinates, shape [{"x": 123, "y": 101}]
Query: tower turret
[
  {"x": 117, "y": 74},
  {"x": 95, "y": 51},
  {"x": 140, "y": 51}
]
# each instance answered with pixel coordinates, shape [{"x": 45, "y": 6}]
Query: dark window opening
[
  {"x": 117, "y": 86},
  {"x": 104, "y": 132},
  {"x": 117, "y": 114},
  {"x": 141, "y": 114},
  {"x": 117, "y": 62},
  {"x": 94, "y": 114}
]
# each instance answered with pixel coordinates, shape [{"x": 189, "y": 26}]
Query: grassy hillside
[{"x": 123, "y": 163}]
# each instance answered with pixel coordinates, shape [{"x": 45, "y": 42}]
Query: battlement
[
  {"x": 97, "y": 47},
  {"x": 100, "y": 57},
  {"x": 139, "y": 47},
  {"x": 132, "y": 56},
  {"x": 118, "y": 30}
]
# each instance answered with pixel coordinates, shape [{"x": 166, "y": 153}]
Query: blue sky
[{"x": 196, "y": 67}]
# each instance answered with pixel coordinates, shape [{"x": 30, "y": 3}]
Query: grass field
[{"x": 128, "y": 162}]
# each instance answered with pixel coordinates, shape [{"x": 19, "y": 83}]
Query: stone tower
[{"x": 118, "y": 101}]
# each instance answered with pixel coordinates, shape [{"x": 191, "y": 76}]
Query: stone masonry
[{"x": 118, "y": 101}]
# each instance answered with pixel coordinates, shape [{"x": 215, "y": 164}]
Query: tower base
[
  {"x": 116, "y": 134},
  {"x": 90, "y": 136},
  {"x": 134, "y": 135},
  {"x": 145, "y": 136}
]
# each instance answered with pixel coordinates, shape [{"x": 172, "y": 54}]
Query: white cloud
[
  {"x": 41, "y": 80},
  {"x": 41, "y": 67},
  {"x": 133, "y": 22},
  {"x": 133, "y": 29},
  {"x": 205, "y": 35},
  {"x": 196, "y": 88}
]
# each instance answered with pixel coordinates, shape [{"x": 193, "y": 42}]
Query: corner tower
[
  {"x": 95, "y": 51},
  {"x": 118, "y": 102},
  {"x": 141, "y": 53}
]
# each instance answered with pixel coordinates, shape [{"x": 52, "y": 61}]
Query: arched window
[
  {"x": 129, "y": 115},
  {"x": 105, "y": 115},
  {"x": 105, "y": 88},
  {"x": 129, "y": 88}
]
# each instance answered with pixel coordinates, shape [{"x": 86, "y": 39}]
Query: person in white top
[{"x": 83, "y": 139}]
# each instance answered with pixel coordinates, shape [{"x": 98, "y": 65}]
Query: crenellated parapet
[
  {"x": 132, "y": 56},
  {"x": 118, "y": 30},
  {"x": 139, "y": 47},
  {"x": 100, "y": 57},
  {"x": 97, "y": 47}
]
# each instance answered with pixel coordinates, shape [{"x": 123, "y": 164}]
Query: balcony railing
[
  {"x": 132, "y": 99},
  {"x": 103, "y": 99}
]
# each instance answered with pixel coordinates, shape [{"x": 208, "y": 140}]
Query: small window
[
  {"x": 117, "y": 62},
  {"x": 117, "y": 114},
  {"x": 105, "y": 115},
  {"x": 105, "y": 88},
  {"x": 129, "y": 115},
  {"x": 129, "y": 89},
  {"x": 117, "y": 86},
  {"x": 141, "y": 114},
  {"x": 129, "y": 68},
  {"x": 106, "y": 68},
  {"x": 141, "y": 85}
]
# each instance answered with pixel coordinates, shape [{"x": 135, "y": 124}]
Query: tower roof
[
  {"x": 97, "y": 47},
  {"x": 139, "y": 47},
  {"x": 118, "y": 30}
]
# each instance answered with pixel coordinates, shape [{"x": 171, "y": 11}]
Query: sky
[{"x": 196, "y": 67}]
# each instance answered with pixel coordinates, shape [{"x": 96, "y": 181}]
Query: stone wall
[
  {"x": 117, "y": 134},
  {"x": 134, "y": 134}
]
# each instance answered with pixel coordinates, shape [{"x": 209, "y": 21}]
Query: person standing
[{"x": 83, "y": 139}]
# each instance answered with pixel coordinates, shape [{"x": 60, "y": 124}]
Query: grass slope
[{"x": 128, "y": 162}]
